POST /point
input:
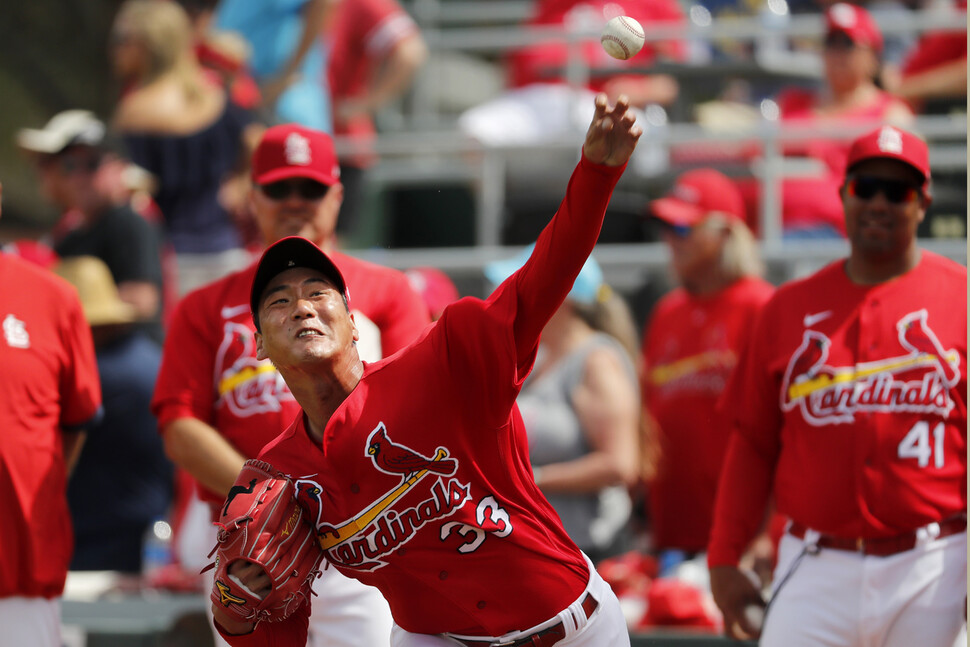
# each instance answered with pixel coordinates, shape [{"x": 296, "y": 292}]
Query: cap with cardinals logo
[
  {"x": 889, "y": 142},
  {"x": 294, "y": 151},
  {"x": 695, "y": 195},
  {"x": 856, "y": 23}
]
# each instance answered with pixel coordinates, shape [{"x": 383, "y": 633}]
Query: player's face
[
  {"x": 296, "y": 207},
  {"x": 883, "y": 205},
  {"x": 694, "y": 251},
  {"x": 846, "y": 63},
  {"x": 303, "y": 319}
]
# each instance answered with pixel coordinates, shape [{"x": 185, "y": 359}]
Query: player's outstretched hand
[
  {"x": 734, "y": 592},
  {"x": 613, "y": 133}
]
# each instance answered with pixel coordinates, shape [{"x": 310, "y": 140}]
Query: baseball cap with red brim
[
  {"x": 856, "y": 23},
  {"x": 695, "y": 195},
  {"x": 889, "y": 142},
  {"x": 285, "y": 254},
  {"x": 294, "y": 151}
]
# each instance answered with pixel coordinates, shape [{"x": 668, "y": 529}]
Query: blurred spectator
[
  {"x": 691, "y": 344},
  {"x": 810, "y": 200},
  {"x": 80, "y": 177},
  {"x": 122, "y": 481},
  {"x": 287, "y": 55},
  {"x": 934, "y": 73},
  {"x": 541, "y": 101},
  {"x": 375, "y": 51},
  {"x": 435, "y": 288},
  {"x": 581, "y": 409},
  {"x": 224, "y": 54},
  {"x": 49, "y": 396},
  {"x": 179, "y": 125}
]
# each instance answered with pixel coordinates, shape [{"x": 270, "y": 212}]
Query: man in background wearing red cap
[
  {"x": 850, "y": 408},
  {"x": 690, "y": 346},
  {"x": 217, "y": 405}
]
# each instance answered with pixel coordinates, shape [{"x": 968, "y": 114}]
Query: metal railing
[{"x": 427, "y": 148}]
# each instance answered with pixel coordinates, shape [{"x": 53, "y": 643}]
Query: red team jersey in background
[
  {"x": 363, "y": 33},
  {"x": 209, "y": 367},
  {"x": 48, "y": 382},
  {"x": 861, "y": 394},
  {"x": 466, "y": 543},
  {"x": 690, "y": 347}
]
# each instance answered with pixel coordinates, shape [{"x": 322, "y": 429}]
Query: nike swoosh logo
[
  {"x": 811, "y": 320},
  {"x": 229, "y": 313}
]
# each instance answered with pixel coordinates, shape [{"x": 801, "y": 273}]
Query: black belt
[
  {"x": 543, "y": 638},
  {"x": 882, "y": 546}
]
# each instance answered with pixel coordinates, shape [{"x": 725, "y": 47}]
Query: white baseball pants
[
  {"x": 30, "y": 621},
  {"x": 836, "y": 598}
]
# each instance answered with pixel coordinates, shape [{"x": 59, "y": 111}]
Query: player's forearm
[
  {"x": 743, "y": 493},
  {"x": 204, "y": 453},
  {"x": 314, "y": 19},
  {"x": 72, "y": 441},
  {"x": 590, "y": 473},
  {"x": 945, "y": 81},
  {"x": 397, "y": 71}
]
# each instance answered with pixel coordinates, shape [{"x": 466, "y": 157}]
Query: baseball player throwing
[
  {"x": 416, "y": 467},
  {"x": 851, "y": 408}
]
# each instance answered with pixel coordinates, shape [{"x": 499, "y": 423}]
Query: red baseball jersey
[
  {"x": 852, "y": 400},
  {"x": 422, "y": 485},
  {"x": 209, "y": 367},
  {"x": 364, "y": 32},
  {"x": 690, "y": 347},
  {"x": 49, "y": 383}
]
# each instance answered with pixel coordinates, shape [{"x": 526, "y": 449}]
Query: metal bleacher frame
[{"x": 426, "y": 149}]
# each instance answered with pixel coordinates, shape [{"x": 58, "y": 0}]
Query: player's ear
[
  {"x": 353, "y": 323},
  {"x": 260, "y": 351}
]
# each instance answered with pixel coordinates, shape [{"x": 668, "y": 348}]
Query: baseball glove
[{"x": 262, "y": 523}]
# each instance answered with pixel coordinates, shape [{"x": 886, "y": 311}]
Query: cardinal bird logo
[
  {"x": 916, "y": 336},
  {"x": 392, "y": 458}
]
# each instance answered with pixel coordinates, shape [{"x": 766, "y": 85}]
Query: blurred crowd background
[{"x": 456, "y": 124}]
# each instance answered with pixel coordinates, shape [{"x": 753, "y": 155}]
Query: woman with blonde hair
[
  {"x": 691, "y": 343},
  {"x": 581, "y": 409},
  {"x": 178, "y": 124}
]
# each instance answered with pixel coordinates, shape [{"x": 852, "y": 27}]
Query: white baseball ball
[
  {"x": 755, "y": 615},
  {"x": 622, "y": 37}
]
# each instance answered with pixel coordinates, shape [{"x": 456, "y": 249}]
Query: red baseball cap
[
  {"x": 291, "y": 150},
  {"x": 285, "y": 254},
  {"x": 889, "y": 142},
  {"x": 696, "y": 194},
  {"x": 856, "y": 23}
]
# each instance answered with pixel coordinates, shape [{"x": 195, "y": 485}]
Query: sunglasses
[
  {"x": 306, "y": 189},
  {"x": 865, "y": 187},
  {"x": 72, "y": 165},
  {"x": 839, "y": 40},
  {"x": 678, "y": 231}
]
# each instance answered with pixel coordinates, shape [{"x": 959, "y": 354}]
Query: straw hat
[{"x": 97, "y": 289}]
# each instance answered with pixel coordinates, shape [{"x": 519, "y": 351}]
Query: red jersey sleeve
[
  {"x": 184, "y": 386},
  {"x": 292, "y": 631},
  {"x": 80, "y": 386},
  {"x": 750, "y": 406},
  {"x": 404, "y": 315}
]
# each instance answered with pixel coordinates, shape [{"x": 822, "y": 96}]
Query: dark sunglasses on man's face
[
  {"x": 306, "y": 189},
  {"x": 839, "y": 41},
  {"x": 865, "y": 187},
  {"x": 678, "y": 231}
]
